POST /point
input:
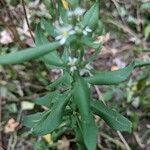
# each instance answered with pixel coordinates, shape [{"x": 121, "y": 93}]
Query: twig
[
  {"x": 10, "y": 142},
  {"x": 138, "y": 140},
  {"x": 98, "y": 91},
  {"x": 124, "y": 28},
  {"x": 99, "y": 94},
  {"x": 123, "y": 140},
  {"x": 117, "y": 142},
  {"x": 117, "y": 7},
  {"x": 118, "y": 132},
  {"x": 26, "y": 18}
]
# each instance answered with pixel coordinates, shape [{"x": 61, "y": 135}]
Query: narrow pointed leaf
[
  {"x": 115, "y": 120},
  {"x": 48, "y": 27},
  {"x": 51, "y": 58},
  {"x": 139, "y": 63},
  {"x": 64, "y": 80},
  {"x": 91, "y": 17},
  {"x": 53, "y": 119},
  {"x": 28, "y": 54},
  {"x": 81, "y": 95},
  {"x": 31, "y": 120},
  {"x": 89, "y": 132},
  {"x": 48, "y": 99},
  {"x": 111, "y": 77}
]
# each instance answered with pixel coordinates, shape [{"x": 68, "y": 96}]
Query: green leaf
[
  {"x": 48, "y": 27},
  {"x": 140, "y": 63},
  {"x": 89, "y": 132},
  {"x": 28, "y": 54},
  {"x": 90, "y": 43},
  {"x": 62, "y": 12},
  {"x": 111, "y": 77},
  {"x": 65, "y": 55},
  {"x": 64, "y": 80},
  {"x": 48, "y": 99},
  {"x": 81, "y": 97},
  {"x": 91, "y": 17},
  {"x": 31, "y": 120},
  {"x": 51, "y": 58},
  {"x": 40, "y": 145},
  {"x": 49, "y": 120},
  {"x": 115, "y": 120}
]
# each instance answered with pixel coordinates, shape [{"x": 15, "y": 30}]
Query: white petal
[
  {"x": 59, "y": 37},
  {"x": 84, "y": 32},
  {"x": 70, "y": 59},
  {"x": 74, "y": 60},
  {"x": 72, "y": 32},
  {"x": 76, "y": 28},
  {"x": 72, "y": 69},
  {"x": 88, "y": 29},
  {"x": 79, "y": 11},
  {"x": 70, "y": 13},
  {"x": 62, "y": 41}
]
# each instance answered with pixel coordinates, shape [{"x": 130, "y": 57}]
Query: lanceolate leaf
[
  {"x": 111, "y": 77},
  {"x": 48, "y": 99},
  {"x": 81, "y": 97},
  {"x": 48, "y": 27},
  {"x": 62, "y": 12},
  {"x": 111, "y": 117},
  {"x": 91, "y": 17},
  {"x": 49, "y": 120},
  {"x": 28, "y": 54},
  {"x": 64, "y": 80},
  {"x": 31, "y": 120},
  {"x": 139, "y": 63},
  {"x": 51, "y": 58},
  {"x": 89, "y": 131},
  {"x": 115, "y": 77}
]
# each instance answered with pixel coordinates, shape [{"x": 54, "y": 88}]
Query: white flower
[
  {"x": 64, "y": 33},
  {"x": 72, "y": 64},
  {"x": 86, "y": 30},
  {"x": 77, "y": 12},
  {"x": 85, "y": 70}
]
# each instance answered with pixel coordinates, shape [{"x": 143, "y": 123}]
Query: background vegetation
[{"x": 127, "y": 36}]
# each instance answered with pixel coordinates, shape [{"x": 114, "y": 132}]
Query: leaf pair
[{"x": 45, "y": 122}]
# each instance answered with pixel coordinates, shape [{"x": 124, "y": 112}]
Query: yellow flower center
[
  {"x": 65, "y": 33},
  {"x": 65, "y": 4}
]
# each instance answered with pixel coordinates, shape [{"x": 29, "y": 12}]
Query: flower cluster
[
  {"x": 65, "y": 30},
  {"x": 77, "y": 12},
  {"x": 64, "y": 33},
  {"x": 72, "y": 64}
]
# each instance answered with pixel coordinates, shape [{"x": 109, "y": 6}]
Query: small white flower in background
[
  {"x": 64, "y": 33},
  {"x": 72, "y": 64},
  {"x": 85, "y": 70},
  {"x": 87, "y": 30},
  {"x": 77, "y": 12}
]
